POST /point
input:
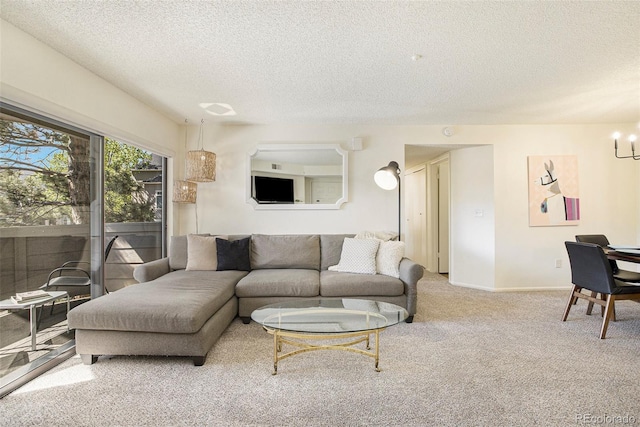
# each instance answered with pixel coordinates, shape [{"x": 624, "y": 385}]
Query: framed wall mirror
[{"x": 297, "y": 176}]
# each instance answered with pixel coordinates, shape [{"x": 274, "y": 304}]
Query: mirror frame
[{"x": 298, "y": 147}]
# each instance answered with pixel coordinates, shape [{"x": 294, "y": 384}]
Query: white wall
[
  {"x": 223, "y": 203},
  {"x": 609, "y": 197},
  {"x": 498, "y": 251},
  {"x": 472, "y": 218}
]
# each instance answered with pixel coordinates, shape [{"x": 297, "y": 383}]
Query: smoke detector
[{"x": 447, "y": 131}]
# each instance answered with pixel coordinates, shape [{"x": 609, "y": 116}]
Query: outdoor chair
[
  {"x": 72, "y": 277},
  {"x": 591, "y": 270}
]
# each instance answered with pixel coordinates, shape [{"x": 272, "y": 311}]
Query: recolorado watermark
[{"x": 605, "y": 419}]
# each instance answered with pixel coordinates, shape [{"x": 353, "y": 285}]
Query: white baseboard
[{"x": 514, "y": 289}]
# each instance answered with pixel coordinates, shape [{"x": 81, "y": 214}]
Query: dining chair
[
  {"x": 601, "y": 240},
  {"x": 591, "y": 271}
]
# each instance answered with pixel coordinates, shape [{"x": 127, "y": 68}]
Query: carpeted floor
[{"x": 471, "y": 358}]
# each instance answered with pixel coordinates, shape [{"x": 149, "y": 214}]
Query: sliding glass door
[{"x": 51, "y": 226}]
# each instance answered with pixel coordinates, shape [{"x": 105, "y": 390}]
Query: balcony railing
[{"x": 28, "y": 254}]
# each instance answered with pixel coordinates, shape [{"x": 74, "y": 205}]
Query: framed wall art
[{"x": 553, "y": 191}]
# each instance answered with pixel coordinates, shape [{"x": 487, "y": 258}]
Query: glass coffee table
[{"x": 301, "y": 323}]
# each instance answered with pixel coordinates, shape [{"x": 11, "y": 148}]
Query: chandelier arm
[{"x": 633, "y": 155}]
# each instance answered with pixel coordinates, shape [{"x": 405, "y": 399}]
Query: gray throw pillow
[{"x": 233, "y": 255}]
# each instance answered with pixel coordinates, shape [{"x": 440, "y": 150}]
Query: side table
[{"x": 7, "y": 304}]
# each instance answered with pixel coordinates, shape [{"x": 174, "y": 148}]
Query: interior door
[
  {"x": 443, "y": 217},
  {"x": 415, "y": 202}
]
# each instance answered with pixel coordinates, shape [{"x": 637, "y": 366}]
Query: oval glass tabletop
[{"x": 329, "y": 315}]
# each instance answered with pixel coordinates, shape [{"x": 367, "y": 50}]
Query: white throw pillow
[
  {"x": 380, "y": 235},
  {"x": 358, "y": 256},
  {"x": 201, "y": 252},
  {"x": 388, "y": 258}
]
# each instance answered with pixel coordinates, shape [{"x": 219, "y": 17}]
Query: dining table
[{"x": 630, "y": 254}]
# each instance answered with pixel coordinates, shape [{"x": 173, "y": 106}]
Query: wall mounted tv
[{"x": 273, "y": 190}]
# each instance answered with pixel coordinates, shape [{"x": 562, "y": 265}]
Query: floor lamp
[{"x": 388, "y": 178}]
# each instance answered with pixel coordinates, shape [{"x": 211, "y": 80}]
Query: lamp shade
[
  {"x": 184, "y": 191},
  {"x": 201, "y": 166},
  {"x": 388, "y": 177}
]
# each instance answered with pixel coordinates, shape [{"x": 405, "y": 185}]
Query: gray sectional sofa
[{"x": 176, "y": 311}]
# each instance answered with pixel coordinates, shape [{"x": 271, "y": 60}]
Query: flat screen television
[{"x": 273, "y": 190}]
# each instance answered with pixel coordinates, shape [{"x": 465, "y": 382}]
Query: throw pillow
[
  {"x": 358, "y": 256},
  {"x": 380, "y": 235},
  {"x": 201, "y": 252},
  {"x": 234, "y": 254},
  {"x": 388, "y": 258}
]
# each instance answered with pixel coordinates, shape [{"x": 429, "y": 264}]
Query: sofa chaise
[{"x": 178, "y": 309}]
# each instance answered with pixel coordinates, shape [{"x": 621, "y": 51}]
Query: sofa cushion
[
  {"x": 338, "y": 284},
  {"x": 279, "y": 283},
  {"x": 331, "y": 248},
  {"x": 202, "y": 252},
  {"x": 388, "y": 258},
  {"x": 285, "y": 251},
  {"x": 358, "y": 256},
  {"x": 233, "y": 255},
  {"x": 177, "y": 303}
]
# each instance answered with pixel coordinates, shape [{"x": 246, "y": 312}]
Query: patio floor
[{"x": 15, "y": 338}]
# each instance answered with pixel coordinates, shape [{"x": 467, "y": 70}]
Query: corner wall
[
  {"x": 507, "y": 254},
  {"x": 36, "y": 77},
  {"x": 472, "y": 218}
]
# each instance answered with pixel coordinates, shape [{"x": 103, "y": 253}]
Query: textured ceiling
[{"x": 482, "y": 62}]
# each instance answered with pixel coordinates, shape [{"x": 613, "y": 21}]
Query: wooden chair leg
[
  {"x": 579, "y": 289},
  {"x": 590, "y": 306},
  {"x": 608, "y": 312},
  {"x": 613, "y": 308},
  {"x": 572, "y": 301}
]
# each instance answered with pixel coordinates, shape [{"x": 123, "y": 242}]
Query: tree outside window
[{"x": 44, "y": 178}]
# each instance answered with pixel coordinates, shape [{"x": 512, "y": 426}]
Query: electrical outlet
[{"x": 558, "y": 263}]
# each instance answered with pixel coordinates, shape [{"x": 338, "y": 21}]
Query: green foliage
[
  {"x": 42, "y": 178},
  {"x": 28, "y": 201},
  {"x": 124, "y": 198}
]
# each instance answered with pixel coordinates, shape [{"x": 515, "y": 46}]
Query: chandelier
[
  {"x": 201, "y": 164},
  {"x": 185, "y": 191},
  {"x": 632, "y": 140}
]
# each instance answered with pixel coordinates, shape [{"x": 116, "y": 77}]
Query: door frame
[{"x": 432, "y": 212}]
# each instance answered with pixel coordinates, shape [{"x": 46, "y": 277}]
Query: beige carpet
[{"x": 471, "y": 358}]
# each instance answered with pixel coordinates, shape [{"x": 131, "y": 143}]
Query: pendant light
[
  {"x": 201, "y": 164},
  {"x": 185, "y": 191}
]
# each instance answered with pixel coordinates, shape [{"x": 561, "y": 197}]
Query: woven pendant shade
[
  {"x": 184, "y": 191},
  {"x": 201, "y": 166}
]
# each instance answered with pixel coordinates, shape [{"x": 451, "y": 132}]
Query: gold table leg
[
  {"x": 298, "y": 340},
  {"x": 276, "y": 349}
]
